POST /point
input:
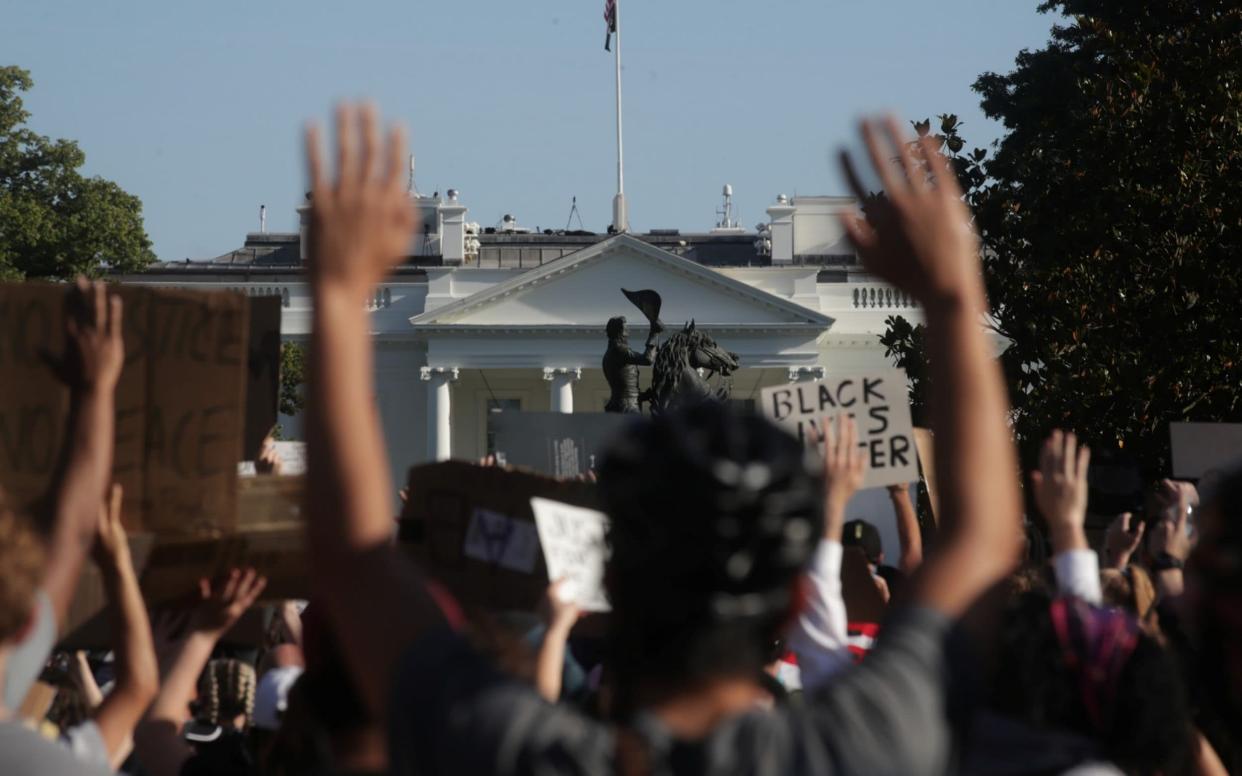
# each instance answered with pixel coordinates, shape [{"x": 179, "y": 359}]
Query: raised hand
[
  {"x": 918, "y": 236},
  {"x": 1169, "y": 537},
  {"x": 94, "y": 348},
  {"x": 560, "y": 609},
  {"x": 221, "y": 607},
  {"x": 268, "y": 460},
  {"x": 362, "y": 222},
  {"x": 845, "y": 467},
  {"x": 111, "y": 550},
  {"x": 1120, "y": 542},
  {"x": 1060, "y": 488}
]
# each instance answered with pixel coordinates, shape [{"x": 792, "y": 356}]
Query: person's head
[
  {"x": 1130, "y": 589},
  {"x": 616, "y": 328},
  {"x": 714, "y": 513},
  {"x": 21, "y": 569},
  {"x": 865, "y": 536},
  {"x": 227, "y": 691},
  {"x": 1063, "y": 665}
]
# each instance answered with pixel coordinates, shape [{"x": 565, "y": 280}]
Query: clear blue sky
[{"x": 197, "y": 107}]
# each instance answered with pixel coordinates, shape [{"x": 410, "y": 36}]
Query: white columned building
[{"x": 479, "y": 323}]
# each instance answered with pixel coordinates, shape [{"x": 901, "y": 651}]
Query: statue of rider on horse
[{"x": 682, "y": 368}]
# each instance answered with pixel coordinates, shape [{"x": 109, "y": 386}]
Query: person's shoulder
[{"x": 26, "y": 752}]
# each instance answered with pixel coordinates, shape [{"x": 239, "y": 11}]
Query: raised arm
[
  {"x": 820, "y": 635},
  {"x": 550, "y": 662},
  {"x": 94, "y": 355},
  {"x": 361, "y": 226},
  {"x": 919, "y": 239},
  {"x": 157, "y": 740},
  {"x": 138, "y": 675},
  {"x": 908, "y": 534},
  {"x": 1060, "y": 487}
]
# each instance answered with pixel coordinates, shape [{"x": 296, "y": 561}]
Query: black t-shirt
[{"x": 454, "y": 714}]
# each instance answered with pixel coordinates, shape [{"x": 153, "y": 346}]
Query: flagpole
[{"x": 620, "y": 212}]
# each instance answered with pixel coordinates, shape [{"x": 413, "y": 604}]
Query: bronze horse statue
[
  {"x": 676, "y": 379},
  {"x": 684, "y": 364}
]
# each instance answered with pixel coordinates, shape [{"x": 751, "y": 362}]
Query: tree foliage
[
  {"x": 292, "y": 378},
  {"x": 55, "y": 222},
  {"x": 1111, "y": 220}
]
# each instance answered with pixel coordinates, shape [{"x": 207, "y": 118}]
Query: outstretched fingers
[
  {"x": 395, "y": 164},
  {"x": 346, "y": 147},
  {"x": 894, "y": 189},
  {"x": 369, "y": 159}
]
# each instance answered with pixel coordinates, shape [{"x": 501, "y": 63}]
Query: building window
[{"x": 495, "y": 407}]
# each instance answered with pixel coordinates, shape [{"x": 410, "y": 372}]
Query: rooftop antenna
[
  {"x": 726, "y": 211},
  {"x": 262, "y": 219},
  {"x": 727, "y": 222},
  {"x": 573, "y": 211}
]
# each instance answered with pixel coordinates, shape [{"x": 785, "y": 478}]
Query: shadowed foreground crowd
[{"x": 728, "y": 649}]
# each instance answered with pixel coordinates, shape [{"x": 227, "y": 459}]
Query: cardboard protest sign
[
  {"x": 878, "y": 402},
  {"x": 269, "y": 537},
  {"x": 1199, "y": 448},
  {"x": 575, "y": 550},
  {"x": 180, "y": 402},
  {"x": 493, "y": 538},
  {"x": 470, "y": 527}
]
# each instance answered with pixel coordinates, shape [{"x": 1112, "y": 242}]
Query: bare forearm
[
  {"x": 977, "y": 467},
  {"x": 551, "y": 663},
  {"x": 907, "y": 531},
  {"x": 78, "y": 489},
  {"x": 374, "y": 597},
  {"x": 348, "y": 479},
  {"x": 138, "y": 679},
  {"x": 180, "y": 683}
]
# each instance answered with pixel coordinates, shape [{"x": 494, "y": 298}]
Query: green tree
[
  {"x": 1111, "y": 224},
  {"x": 54, "y": 222},
  {"x": 292, "y": 378}
]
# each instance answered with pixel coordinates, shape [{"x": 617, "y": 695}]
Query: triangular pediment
[{"x": 584, "y": 289}]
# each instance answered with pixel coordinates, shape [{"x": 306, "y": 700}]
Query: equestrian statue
[{"x": 682, "y": 367}]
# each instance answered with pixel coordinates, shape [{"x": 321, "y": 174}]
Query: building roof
[
  {"x": 280, "y": 252},
  {"x": 776, "y": 311}
]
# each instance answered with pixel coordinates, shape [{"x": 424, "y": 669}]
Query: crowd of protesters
[{"x": 728, "y": 649}]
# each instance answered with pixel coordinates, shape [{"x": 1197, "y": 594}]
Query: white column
[
  {"x": 805, "y": 374},
  {"x": 562, "y": 381},
  {"x": 439, "y": 410}
]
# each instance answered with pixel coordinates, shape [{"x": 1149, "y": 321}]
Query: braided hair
[
  {"x": 229, "y": 691},
  {"x": 714, "y": 513}
]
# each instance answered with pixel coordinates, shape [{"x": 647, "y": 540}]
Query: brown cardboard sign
[
  {"x": 469, "y": 527},
  {"x": 269, "y": 537},
  {"x": 180, "y": 402}
]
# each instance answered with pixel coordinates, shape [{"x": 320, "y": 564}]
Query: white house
[{"x": 475, "y": 324}]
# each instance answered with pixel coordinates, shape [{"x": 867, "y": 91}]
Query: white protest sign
[
  {"x": 1200, "y": 448},
  {"x": 292, "y": 457},
  {"x": 879, "y": 403},
  {"x": 574, "y": 550},
  {"x": 494, "y": 538}
]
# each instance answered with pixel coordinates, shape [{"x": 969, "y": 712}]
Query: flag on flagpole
[{"x": 610, "y": 17}]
